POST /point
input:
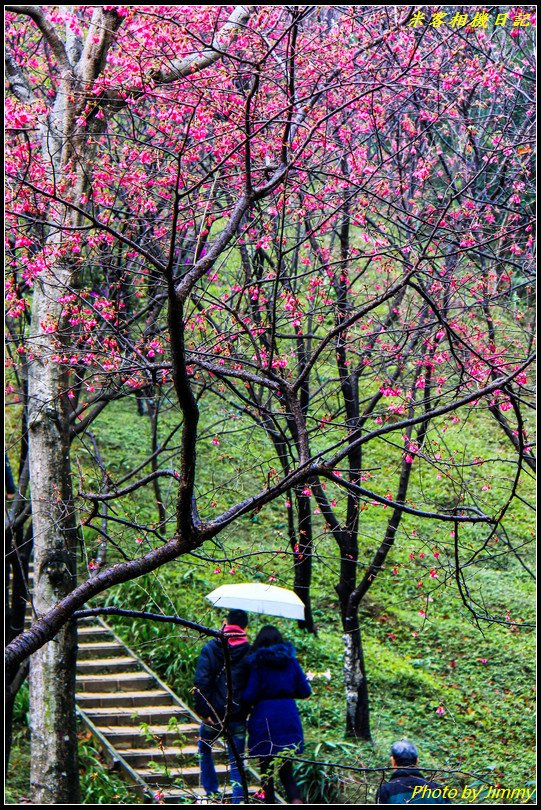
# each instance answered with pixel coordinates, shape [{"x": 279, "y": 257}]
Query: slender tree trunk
[
  {"x": 302, "y": 549},
  {"x": 18, "y": 551},
  {"x": 357, "y": 703},
  {"x": 54, "y": 771},
  {"x": 18, "y": 556},
  {"x": 18, "y": 546}
]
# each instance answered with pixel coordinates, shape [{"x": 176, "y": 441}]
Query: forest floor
[{"x": 463, "y": 691}]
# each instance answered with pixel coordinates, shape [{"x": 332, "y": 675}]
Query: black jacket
[
  {"x": 210, "y": 684},
  {"x": 399, "y": 789}
]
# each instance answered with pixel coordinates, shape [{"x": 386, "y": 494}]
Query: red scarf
[{"x": 240, "y": 636}]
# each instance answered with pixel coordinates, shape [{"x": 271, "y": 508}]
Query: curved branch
[
  {"x": 401, "y": 507},
  {"x": 155, "y": 617},
  {"x": 110, "y": 496},
  {"x": 17, "y": 80},
  {"x": 191, "y": 64},
  {"x": 48, "y": 626},
  {"x": 50, "y": 35}
]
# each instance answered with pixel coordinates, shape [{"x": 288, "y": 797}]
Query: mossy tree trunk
[
  {"x": 67, "y": 157},
  {"x": 53, "y": 769}
]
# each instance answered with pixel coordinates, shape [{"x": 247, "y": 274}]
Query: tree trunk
[
  {"x": 18, "y": 546},
  {"x": 302, "y": 569},
  {"x": 17, "y": 556},
  {"x": 357, "y": 705},
  {"x": 54, "y": 776}
]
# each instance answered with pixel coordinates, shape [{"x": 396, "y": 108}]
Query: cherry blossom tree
[
  {"x": 408, "y": 353},
  {"x": 322, "y": 218},
  {"x": 55, "y": 98}
]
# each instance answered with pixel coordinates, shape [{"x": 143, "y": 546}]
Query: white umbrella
[{"x": 258, "y": 597}]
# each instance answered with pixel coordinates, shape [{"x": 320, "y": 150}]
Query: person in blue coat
[{"x": 275, "y": 681}]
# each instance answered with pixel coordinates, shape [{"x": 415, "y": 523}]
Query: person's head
[
  {"x": 237, "y": 617},
  {"x": 268, "y": 636},
  {"x": 404, "y": 754}
]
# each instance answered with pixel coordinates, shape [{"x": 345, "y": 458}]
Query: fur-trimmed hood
[{"x": 276, "y": 657}]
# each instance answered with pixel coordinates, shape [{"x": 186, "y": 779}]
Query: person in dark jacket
[
  {"x": 407, "y": 785},
  {"x": 274, "y": 682},
  {"x": 210, "y": 693}
]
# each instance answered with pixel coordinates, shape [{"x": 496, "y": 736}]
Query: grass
[{"x": 481, "y": 676}]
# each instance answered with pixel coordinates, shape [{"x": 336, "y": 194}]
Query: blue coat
[{"x": 275, "y": 680}]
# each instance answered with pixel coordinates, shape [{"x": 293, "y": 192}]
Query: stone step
[
  {"x": 123, "y": 737},
  {"x": 190, "y": 775},
  {"x": 88, "y": 631},
  {"x": 93, "y": 635},
  {"x": 99, "y": 649},
  {"x": 176, "y": 796},
  {"x": 173, "y": 755},
  {"x": 152, "y": 697},
  {"x": 125, "y": 704},
  {"x": 134, "y": 715},
  {"x": 124, "y": 663},
  {"x": 141, "y": 757},
  {"x": 115, "y": 682}
]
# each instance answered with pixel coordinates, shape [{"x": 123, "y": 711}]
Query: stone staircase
[{"x": 146, "y": 731}]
